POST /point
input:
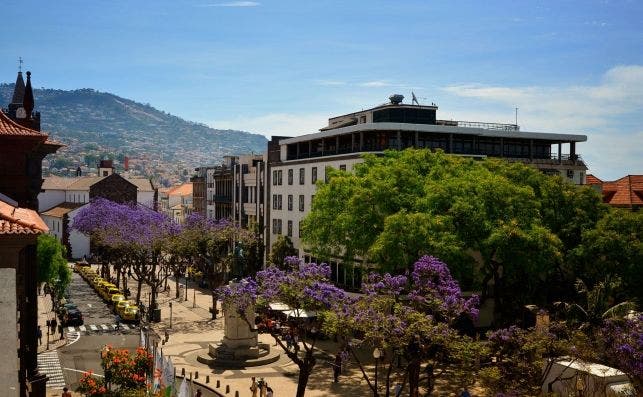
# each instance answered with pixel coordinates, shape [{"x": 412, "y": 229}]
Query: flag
[
  {"x": 142, "y": 340},
  {"x": 158, "y": 368},
  {"x": 168, "y": 376},
  {"x": 184, "y": 390}
]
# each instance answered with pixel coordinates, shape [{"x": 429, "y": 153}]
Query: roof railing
[{"x": 479, "y": 124}]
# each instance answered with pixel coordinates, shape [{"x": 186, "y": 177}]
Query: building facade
[{"x": 295, "y": 164}]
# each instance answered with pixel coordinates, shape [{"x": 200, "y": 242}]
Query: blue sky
[{"x": 283, "y": 67}]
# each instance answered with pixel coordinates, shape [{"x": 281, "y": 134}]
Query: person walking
[
  {"x": 269, "y": 393},
  {"x": 398, "y": 389},
  {"x": 253, "y": 387},
  {"x": 54, "y": 326},
  {"x": 60, "y": 330},
  {"x": 48, "y": 325},
  {"x": 39, "y": 335},
  {"x": 198, "y": 393},
  {"x": 66, "y": 392},
  {"x": 264, "y": 389}
]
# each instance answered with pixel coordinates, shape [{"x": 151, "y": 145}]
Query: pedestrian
[
  {"x": 66, "y": 392},
  {"x": 269, "y": 393},
  {"x": 288, "y": 339},
  {"x": 465, "y": 393},
  {"x": 39, "y": 335},
  {"x": 60, "y": 330},
  {"x": 398, "y": 389},
  {"x": 48, "y": 324},
  {"x": 54, "y": 326},
  {"x": 198, "y": 393},
  {"x": 264, "y": 388},
  {"x": 337, "y": 367},
  {"x": 253, "y": 387},
  {"x": 118, "y": 321}
]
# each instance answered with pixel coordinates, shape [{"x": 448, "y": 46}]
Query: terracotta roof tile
[
  {"x": 181, "y": 190},
  {"x": 592, "y": 180},
  {"x": 62, "y": 209},
  {"x": 624, "y": 192},
  {"x": 10, "y": 127},
  {"x": 16, "y": 220}
]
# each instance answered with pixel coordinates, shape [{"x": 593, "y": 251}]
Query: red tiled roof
[
  {"x": 61, "y": 209},
  {"x": 624, "y": 192},
  {"x": 16, "y": 220},
  {"x": 181, "y": 190},
  {"x": 10, "y": 127},
  {"x": 592, "y": 180}
]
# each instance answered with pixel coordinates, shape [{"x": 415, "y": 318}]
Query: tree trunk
[
  {"x": 414, "y": 377},
  {"x": 176, "y": 277},
  {"x": 304, "y": 374},
  {"x": 139, "y": 283}
]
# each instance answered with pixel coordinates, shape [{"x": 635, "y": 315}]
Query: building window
[
  {"x": 279, "y": 177},
  {"x": 299, "y": 226},
  {"x": 301, "y": 202},
  {"x": 276, "y": 226},
  {"x": 342, "y": 167},
  {"x": 274, "y": 177},
  {"x": 279, "y": 201},
  {"x": 274, "y": 201},
  {"x": 290, "y": 202},
  {"x": 290, "y": 172},
  {"x": 302, "y": 176},
  {"x": 314, "y": 175},
  {"x": 289, "y": 229}
]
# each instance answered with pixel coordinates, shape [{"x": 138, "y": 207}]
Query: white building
[{"x": 294, "y": 164}]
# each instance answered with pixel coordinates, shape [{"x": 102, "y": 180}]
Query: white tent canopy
[{"x": 290, "y": 312}]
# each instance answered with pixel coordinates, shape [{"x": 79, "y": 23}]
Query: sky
[{"x": 282, "y": 67}]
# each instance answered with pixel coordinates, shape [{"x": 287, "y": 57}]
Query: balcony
[{"x": 222, "y": 199}]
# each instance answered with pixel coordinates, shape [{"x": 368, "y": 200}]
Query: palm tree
[{"x": 597, "y": 304}]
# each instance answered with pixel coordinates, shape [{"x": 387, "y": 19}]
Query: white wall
[
  {"x": 146, "y": 198},
  {"x": 9, "y": 365},
  {"x": 78, "y": 241},
  {"x": 49, "y": 199},
  {"x": 307, "y": 189},
  {"x": 55, "y": 226}
]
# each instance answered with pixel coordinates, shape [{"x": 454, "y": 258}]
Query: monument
[{"x": 240, "y": 346}]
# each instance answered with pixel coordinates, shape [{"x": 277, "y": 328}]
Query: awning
[
  {"x": 278, "y": 306},
  {"x": 300, "y": 313}
]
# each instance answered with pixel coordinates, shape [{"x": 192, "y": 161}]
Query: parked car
[
  {"x": 72, "y": 317},
  {"x": 108, "y": 292},
  {"x": 130, "y": 314},
  {"x": 64, "y": 308},
  {"x": 120, "y": 307},
  {"x": 79, "y": 266},
  {"x": 117, "y": 298}
]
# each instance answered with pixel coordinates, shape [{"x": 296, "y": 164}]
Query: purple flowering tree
[
  {"x": 130, "y": 234},
  {"x": 306, "y": 289},
  {"x": 624, "y": 347},
  {"x": 411, "y": 318}
]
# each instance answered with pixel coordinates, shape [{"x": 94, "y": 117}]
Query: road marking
[
  {"x": 93, "y": 327},
  {"x": 82, "y": 328},
  {"x": 49, "y": 364},
  {"x": 81, "y": 371},
  {"x": 71, "y": 329},
  {"x": 74, "y": 335},
  {"x": 104, "y": 327}
]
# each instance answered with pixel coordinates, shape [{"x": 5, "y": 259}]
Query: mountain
[{"x": 93, "y": 123}]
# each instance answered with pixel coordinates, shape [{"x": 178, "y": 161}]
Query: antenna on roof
[
  {"x": 414, "y": 99},
  {"x": 516, "y": 116}
]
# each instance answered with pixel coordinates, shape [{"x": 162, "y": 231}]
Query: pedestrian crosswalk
[
  {"x": 49, "y": 364},
  {"x": 100, "y": 328}
]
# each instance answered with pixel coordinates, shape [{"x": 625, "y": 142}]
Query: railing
[
  {"x": 480, "y": 124},
  {"x": 222, "y": 199}
]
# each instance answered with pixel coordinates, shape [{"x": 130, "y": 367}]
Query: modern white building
[{"x": 295, "y": 164}]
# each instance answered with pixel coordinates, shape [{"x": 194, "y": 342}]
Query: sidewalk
[{"x": 45, "y": 312}]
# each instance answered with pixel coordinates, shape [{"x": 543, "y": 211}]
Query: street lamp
[{"x": 377, "y": 354}]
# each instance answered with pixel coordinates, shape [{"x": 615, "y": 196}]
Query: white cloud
[
  {"x": 233, "y": 4},
  {"x": 330, "y": 82},
  {"x": 609, "y": 113},
  {"x": 286, "y": 124},
  {"x": 376, "y": 83}
]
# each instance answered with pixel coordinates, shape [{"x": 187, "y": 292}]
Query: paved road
[{"x": 94, "y": 309}]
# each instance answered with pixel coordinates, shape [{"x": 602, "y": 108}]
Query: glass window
[
  {"x": 290, "y": 176},
  {"x": 279, "y": 177},
  {"x": 274, "y": 201},
  {"x": 274, "y": 177},
  {"x": 314, "y": 175},
  {"x": 302, "y": 176},
  {"x": 289, "y": 232},
  {"x": 279, "y": 201},
  {"x": 290, "y": 202},
  {"x": 342, "y": 167},
  {"x": 299, "y": 227},
  {"x": 301, "y": 202}
]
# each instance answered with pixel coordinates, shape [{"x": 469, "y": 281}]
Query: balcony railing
[{"x": 480, "y": 124}]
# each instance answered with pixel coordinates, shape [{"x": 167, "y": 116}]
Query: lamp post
[
  {"x": 186, "y": 285},
  {"x": 377, "y": 354},
  {"x": 170, "y": 314}
]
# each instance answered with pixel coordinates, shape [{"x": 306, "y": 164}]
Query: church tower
[{"x": 20, "y": 110}]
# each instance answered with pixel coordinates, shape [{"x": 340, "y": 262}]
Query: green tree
[
  {"x": 613, "y": 248},
  {"x": 491, "y": 220},
  {"x": 281, "y": 248},
  {"x": 52, "y": 265}
]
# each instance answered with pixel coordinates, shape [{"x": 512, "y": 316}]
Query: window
[
  {"x": 314, "y": 175},
  {"x": 276, "y": 226},
  {"x": 279, "y": 177},
  {"x": 274, "y": 177},
  {"x": 299, "y": 226},
  {"x": 342, "y": 167},
  {"x": 290, "y": 172},
  {"x": 279, "y": 201},
  {"x": 274, "y": 201},
  {"x": 301, "y": 202},
  {"x": 290, "y": 202},
  {"x": 302, "y": 176},
  {"x": 289, "y": 231}
]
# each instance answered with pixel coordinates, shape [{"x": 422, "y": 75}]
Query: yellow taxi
[
  {"x": 95, "y": 281},
  {"x": 80, "y": 266},
  {"x": 121, "y": 306},
  {"x": 130, "y": 314},
  {"x": 117, "y": 298},
  {"x": 108, "y": 292}
]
